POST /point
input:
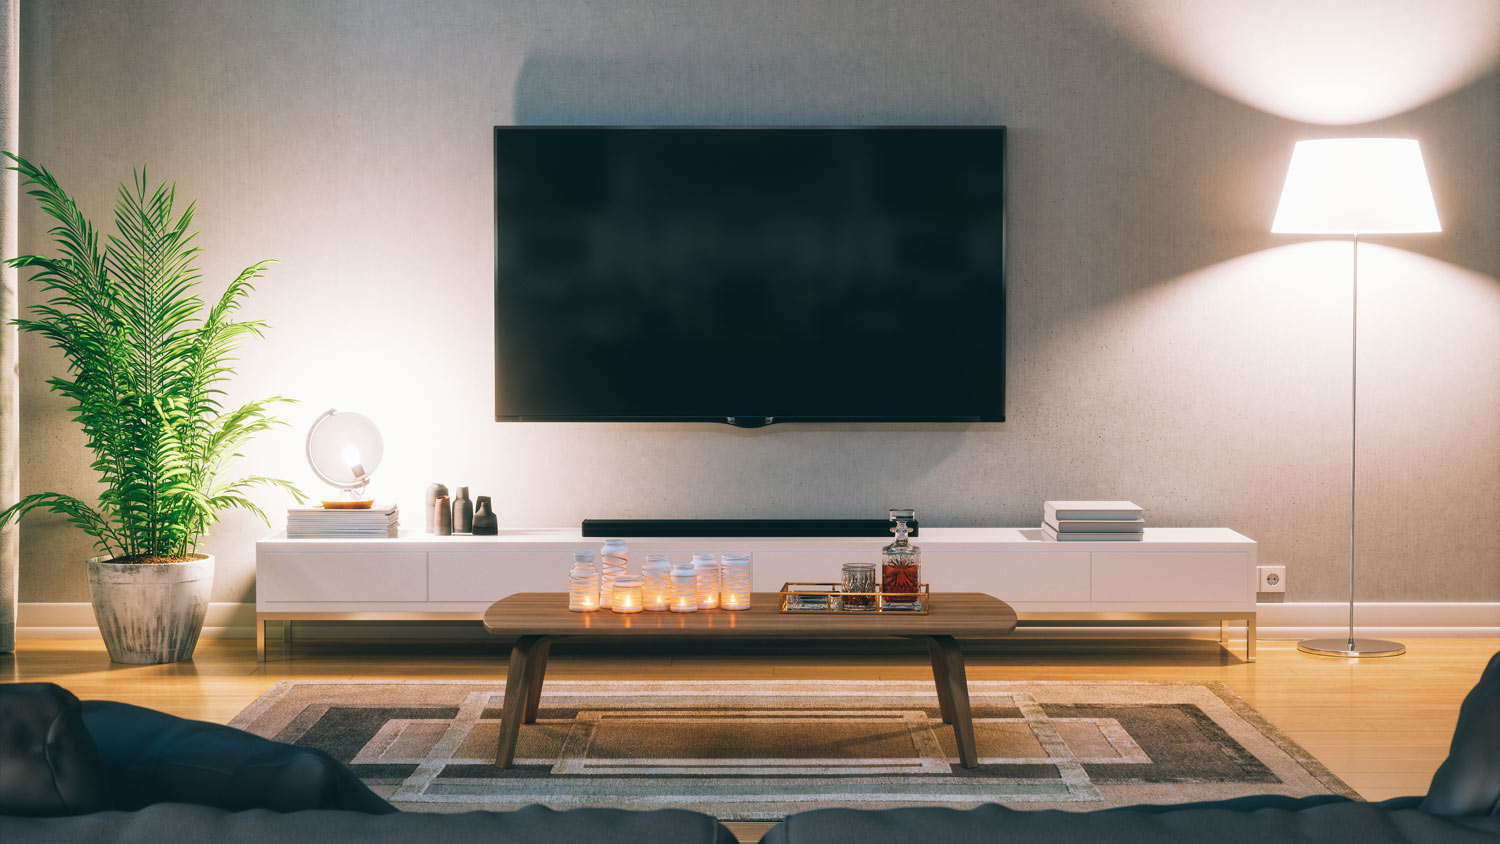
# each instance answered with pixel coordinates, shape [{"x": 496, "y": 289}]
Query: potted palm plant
[{"x": 147, "y": 362}]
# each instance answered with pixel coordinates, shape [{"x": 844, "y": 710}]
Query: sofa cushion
[
  {"x": 152, "y": 757},
  {"x": 48, "y": 762},
  {"x": 1343, "y": 822},
  {"x": 532, "y": 825},
  {"x": 1468, "y": 781}
]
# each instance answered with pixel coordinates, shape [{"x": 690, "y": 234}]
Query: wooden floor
[{"x": 1383, "y": 725}]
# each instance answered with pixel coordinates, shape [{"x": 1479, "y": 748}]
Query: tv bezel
[{"x": 751, "y": 421}]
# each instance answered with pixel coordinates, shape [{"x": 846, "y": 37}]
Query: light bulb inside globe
[{"x": 351, "y": 459}]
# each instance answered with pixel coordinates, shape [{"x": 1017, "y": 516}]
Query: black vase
[{"x": 485, "y": 523}]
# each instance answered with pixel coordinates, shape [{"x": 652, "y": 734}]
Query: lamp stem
[
  {"x": 1353, "y": 431},
  {"x": 1352, "y": 646}
]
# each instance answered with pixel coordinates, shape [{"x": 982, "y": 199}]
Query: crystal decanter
[{"x": 901, "y": 566}]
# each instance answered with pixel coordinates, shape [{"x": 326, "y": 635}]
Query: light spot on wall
[{"x": 1335, "y": 62}]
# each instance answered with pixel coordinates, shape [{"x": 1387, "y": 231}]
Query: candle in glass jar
[
  {"x": 656, "y": 583},
  {"x": 627, "y": 594},
  {"x": 734, "y": 581},
  {"x": 583, "y": 584},
  {"x": 684, "y": 588},
  {"x": 614, "y": 559},
  {"x": 707, "y": 569}
]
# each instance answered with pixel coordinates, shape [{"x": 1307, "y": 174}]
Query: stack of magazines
[
  {"x": 378, "y": 522},
  {"x": 1093, "y": 521}
]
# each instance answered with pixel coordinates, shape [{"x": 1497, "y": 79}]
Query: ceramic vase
[
  {"x": 485, "y": 522},
  {"x": 463, "y": 512}
]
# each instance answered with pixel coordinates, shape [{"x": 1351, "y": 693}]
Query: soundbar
[{"x": 630, "y": 528}]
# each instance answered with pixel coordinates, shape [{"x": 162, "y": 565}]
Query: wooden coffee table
[{"x": 535, "y": 619}]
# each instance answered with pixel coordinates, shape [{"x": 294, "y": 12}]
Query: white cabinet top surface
[{"x": 953, "y": 538}]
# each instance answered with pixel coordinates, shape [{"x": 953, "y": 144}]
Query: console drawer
[
  {"x": 350, "y": 576},
  {"x": 488, "y": 576},
  {"x": 1021, "y": 576},
  {"x": 1161, "y": 577}
]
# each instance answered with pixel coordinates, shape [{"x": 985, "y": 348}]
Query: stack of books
[
  {"x": 378, "y": 522},
  {"x": 1093, "y": 521}
]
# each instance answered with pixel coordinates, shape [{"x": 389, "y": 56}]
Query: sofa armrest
[
  {"x": 49, "y": 764},
  {"x": 152, "y": 757},
  {"x": 1468, "y": 782}
]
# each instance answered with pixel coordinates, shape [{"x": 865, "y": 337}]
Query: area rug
[{"x": 758, "y": 751}]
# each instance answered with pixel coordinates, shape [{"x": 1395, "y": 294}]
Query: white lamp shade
[{"x": 1356, "y": 186}]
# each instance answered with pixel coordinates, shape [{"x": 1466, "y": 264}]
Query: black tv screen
[{"x": 749, "y": 275}]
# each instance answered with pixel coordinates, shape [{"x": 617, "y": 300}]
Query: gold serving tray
[{"x": 825, "y": 598}]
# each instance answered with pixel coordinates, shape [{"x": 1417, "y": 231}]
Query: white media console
[{"x": 1173, "y": 574}]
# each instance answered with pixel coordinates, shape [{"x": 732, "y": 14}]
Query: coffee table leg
[
  {"x": 946, "y": 653},
  {"x": 940, "y": 679},
  {"x": 534, "y": 682},
  {"x": 517, "y": 681}
]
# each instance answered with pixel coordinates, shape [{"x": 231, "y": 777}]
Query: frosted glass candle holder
[
  {"x": 656, "y": 583},
  {"x": 734, "y": 581},
  {"x": 707, "y": 569},
  {"x": 684, "y": 588},
  {"x": 583, "y": 589},
  {"x": 614, "y": 559},
  {"x": 627, "y": 594}
]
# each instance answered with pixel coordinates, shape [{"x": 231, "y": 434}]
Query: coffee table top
[{"x": 959, "y": 614}]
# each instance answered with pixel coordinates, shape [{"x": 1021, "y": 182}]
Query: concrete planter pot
[{"x": 150, "y": 613}]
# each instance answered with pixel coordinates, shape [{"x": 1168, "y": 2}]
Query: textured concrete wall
[{"x": 1164, "y": 346}]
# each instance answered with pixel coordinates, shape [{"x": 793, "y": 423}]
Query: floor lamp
[{"x": 1355, "y": 186}]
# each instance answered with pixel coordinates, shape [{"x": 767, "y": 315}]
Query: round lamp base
[
  {"x": 346, "y": 504},
  {"x": 1351, "y": 647}
]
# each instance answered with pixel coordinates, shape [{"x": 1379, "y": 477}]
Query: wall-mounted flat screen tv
[{"x": 749, "y": 275}]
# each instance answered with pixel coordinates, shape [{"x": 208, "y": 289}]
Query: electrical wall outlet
[{"x": 1271, "y": 578}]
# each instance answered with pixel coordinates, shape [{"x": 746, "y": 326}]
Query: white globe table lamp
[
  {"x": 1355, "y": 186},
  {"x": 344, "y": 450}
]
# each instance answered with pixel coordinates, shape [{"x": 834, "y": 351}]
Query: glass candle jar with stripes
[
  {"x": 583, "y": 583},
  {"x": 684, "y": 588},
  {"x": 734, "y": 581},
  {"x": 614, "y": 560},
  {"x": 627, "y": 594},
  {"x": 707, "y": 568},
  {"x": 656, "y": 583}
]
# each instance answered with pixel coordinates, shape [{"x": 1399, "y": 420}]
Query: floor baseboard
[{"x": 1275, "y": 621}]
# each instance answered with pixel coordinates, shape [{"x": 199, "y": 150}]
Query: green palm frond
[{"x": 147, "y": 361}]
